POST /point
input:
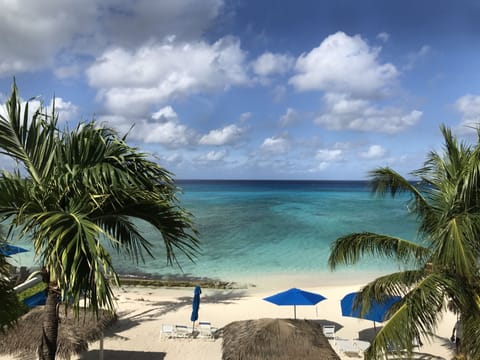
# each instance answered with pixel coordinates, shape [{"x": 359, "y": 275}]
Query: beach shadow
[
  {"x": 223, "y": 297},
  {"x": 369, "y": 333},
  {"x": 123, "y": 355},
  {"x": 156, "y": 309}
]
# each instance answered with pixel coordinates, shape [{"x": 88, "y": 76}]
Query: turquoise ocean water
[{"x": 255, "y": 228}]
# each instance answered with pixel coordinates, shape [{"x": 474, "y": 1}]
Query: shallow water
[{"x": 253, "y": 229}]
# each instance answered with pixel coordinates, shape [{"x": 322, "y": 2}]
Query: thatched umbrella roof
[
  {"x": 74, "y": 334},
  {"x": 275, "y": 339}
]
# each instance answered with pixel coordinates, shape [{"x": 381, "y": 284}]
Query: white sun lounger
[
  {"x": 329, "y": 331},
  {"x": 349, "y": 346},
  {"x": 182, "y": 331},
  {"x": 205, "y": 330},
  {"x": 167, "y": 331}
]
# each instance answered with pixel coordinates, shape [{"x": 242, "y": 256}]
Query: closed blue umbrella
[
  {"x": 295, "y": 297},
  {"x": 376, "y": 313},
  {"x": 195, "y": 305},
  {"x": 7, "y": 249}
]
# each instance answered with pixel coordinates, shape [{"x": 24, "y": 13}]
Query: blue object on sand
[
  {"x": 295, "y": 297},
  {"x": 377, "y": 312},
  {"x": 195, "y": 303},
  {"x": 8, "y": 250},
  {"x": 39, "y": 298}
]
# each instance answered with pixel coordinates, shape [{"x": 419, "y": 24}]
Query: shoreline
[
  {"x": 142, "y": 310},
  {"x": 258, "y": 281}
]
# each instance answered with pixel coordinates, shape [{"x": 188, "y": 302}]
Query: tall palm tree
[
  {"x": 73, "y": 193},
  {"x": 442, "y": 266}
]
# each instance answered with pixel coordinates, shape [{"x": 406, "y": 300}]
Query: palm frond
[
  {"x": 394, "y": 284},
  {"x": 416, "y": 314},
  {"x": 454, "y": 251},
  {"x": 349, "y": 249},
  {"x": 28, "y": 139},
  {"x": 70, "y": 250}
]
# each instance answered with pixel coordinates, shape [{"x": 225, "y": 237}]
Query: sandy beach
[{"x": 143, "y": 310}]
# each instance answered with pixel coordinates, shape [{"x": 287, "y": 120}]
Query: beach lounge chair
[
  {"x": 351, "y": 348},
  {"x": 346, "y": 346},
  {"x": 205, "y": 330},
  {"x": 329, "y": 331},
  {"x": 167, "y": 331},
  {"x": 362, "y": 345},
  {"x": 182, "y": 331}
]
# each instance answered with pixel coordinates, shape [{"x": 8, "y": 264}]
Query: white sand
[{"x": 142, "y": 311}]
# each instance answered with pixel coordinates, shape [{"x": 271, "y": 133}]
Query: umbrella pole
[
  {"x": 100, "y": 354},
  {"x": 295, "y": 311}
]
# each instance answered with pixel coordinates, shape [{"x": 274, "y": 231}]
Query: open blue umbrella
[
  {"x": 195, "y": 305},
  {"x": 8, "y": 250},
  {"x": 376, "y": 313},
  {"x": 295, "y": 297}
]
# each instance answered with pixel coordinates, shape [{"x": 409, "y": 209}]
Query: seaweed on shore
[{"x": 137, "y": 280}]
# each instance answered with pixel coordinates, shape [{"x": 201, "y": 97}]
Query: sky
[{"x": 254, "y": 89}]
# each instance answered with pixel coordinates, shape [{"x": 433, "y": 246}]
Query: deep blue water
[{"x": 255, "y": 228}]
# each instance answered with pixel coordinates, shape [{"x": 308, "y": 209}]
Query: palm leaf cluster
[
  {"x": 441, "y": 268},
  {"x": 74, "y": 192}
]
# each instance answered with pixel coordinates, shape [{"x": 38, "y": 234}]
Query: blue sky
[{"x": 254, "y": 89}]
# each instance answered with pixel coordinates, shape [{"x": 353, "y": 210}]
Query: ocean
[{"x": 249, "y": 229}]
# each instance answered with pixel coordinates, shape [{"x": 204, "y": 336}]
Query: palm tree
[
  {"x": 442, "y": 267},
  {"x": 73, "y": 193}
]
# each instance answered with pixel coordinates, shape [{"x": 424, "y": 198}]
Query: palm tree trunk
[{"x": 48, "y": 346}]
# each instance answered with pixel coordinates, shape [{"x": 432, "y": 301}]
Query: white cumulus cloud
[
  {"x": 34, "y": 32},
  {"x": 276, "y": 145},
  {"x": 329, "y": 155},
  {"x": 345, "y": 113},
  {"x": 229, "y": 135},
  {"x": 38, "y": 34},
  {"x": 65, "y": 109},
  {"x": 373, "y": 152},
  {"x": 162, "y": 127},
  {"x": 132, "y": 81},
  {"x": 165, "y": 114},
  {"x": 270, "y": 64},
  {"x": 213, "y": 156},
  {"x": 343, "y": 64},
  {"x": 469, "y": 107}
]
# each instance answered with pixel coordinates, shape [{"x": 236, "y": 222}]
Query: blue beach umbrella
[
  {"x": 376, "y": 313},
  {"x": 195, "y": 305},
  {"x": 8, "y": 250},
  {"x": 295, "y": 297}
]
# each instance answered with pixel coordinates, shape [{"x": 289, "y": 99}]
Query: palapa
[
  {"x": 74, "y": 334},
  {"x": 275, "y": 339}
]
